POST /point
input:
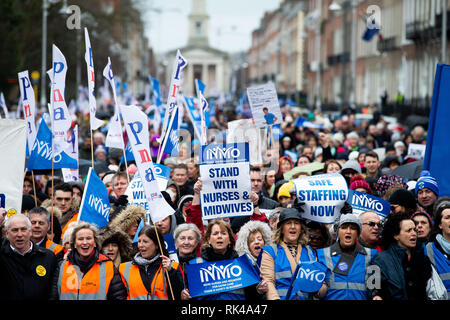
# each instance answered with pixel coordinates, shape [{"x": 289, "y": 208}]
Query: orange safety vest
[
  {"x": 93, "y": 285},
  {"x": 56, "y": 248},
  {"x": 73, "y": 219},
  {"x": 135, "y": 287}
]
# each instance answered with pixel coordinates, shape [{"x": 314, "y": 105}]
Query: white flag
[
  {"x": 29, "y": 106},
  {"x": 95, "y": 123},
  {"x": 114, "y": 138},
  {"x": 13, "y": 141},
  {"x": 72, "y": 151},
  {"x": 174, "y": 88},
  {"x": 136, "y": 124},
  {"x": 61, "y": 120}
]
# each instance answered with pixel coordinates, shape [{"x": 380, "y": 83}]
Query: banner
[
  {"x": 324, "y": 196},
  {"x": 243, "y": 130},
  {"x": 171, "y": 144},
  {"x": 136, "y": 124},
  {"x": 309, "y": 277},
  {"x": 41, "y": 154},
  {"x": 114, "y": 137},
  {"x": 135, "y": 190},
  {"x": 362, "y": 202},
  {"x": 200, "y": 88},
  {"x": 174, "y": 88},
  {"x": 29, "y": 106},
  {"x": 302, "y": 122},
  {"x": 437, "y": 151},
  {"x": 13, "y": 140},
  {"x": 95, "y": 207},
  {"x": 95, "y": 123},
  {"x": 220, "y": 276},
  {"x": 169, "y": 243},
  {"x": 61, "y": 119},
  {"x": 72, "y": 150},
  {"x": 264, "y": 104},
  {"x": 416, "y": 151},
  {"x": 193, "y": 115},
  {"x": 225, "y": 172}
]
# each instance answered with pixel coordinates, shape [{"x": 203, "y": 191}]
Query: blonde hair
[
  {"x": 277, "y": 236},
  {"x": 85, "y": 225}
]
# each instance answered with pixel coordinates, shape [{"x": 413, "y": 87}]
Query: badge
[
  {"x": 40, "y": 271},
  {"x": 11, "y": 212},
  {"x": 343, "y": 266}
]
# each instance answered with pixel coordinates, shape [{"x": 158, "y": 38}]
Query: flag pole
[
  {"x": 126, "y": 164},
  {"x": 34, "y": 188},
  {"x": 92, "y": 149},
  {"x": 165, "y": 270}
]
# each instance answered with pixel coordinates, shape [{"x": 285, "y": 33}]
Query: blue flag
[
  {"x": 362, "y": 202},
  {"x": 95, "y": 207},
  {"x": 136, "y": 236},
  {"x": 437, "y": 151},
  {"x": 41, "y": 155},
  {"x": 128, "y": 154},
  {"x": 156, "y": 93},
  {"x": 220, "y": 276},
  {"x": 172, "y": 141},
  {"x": 302, "y": 122},
  {"x": 372, "y": 29},
  {"x": 200, "y": 86},
  {"x": 309, "y": 277}
]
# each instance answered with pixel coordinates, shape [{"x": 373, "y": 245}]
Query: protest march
[{"x": 172, "y": 196}]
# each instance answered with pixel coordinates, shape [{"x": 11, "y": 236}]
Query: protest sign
[
  {"x": 220, "y": 276},
  {"x": 416, "y": 151},
  {"x": 309, "y": 277},
  {"x": 324, "y": 196},
  {"x": 362, "y": 202},
  {"x": 72, "y": 151},
  {"x": 264, "y": 104},
  {"x": 95, "y": 206},
  {"x": 13, "y": 140},
  {"x": 243, "y": 130},
  {"x": 29, "y": 106},
  {"x": 169, "y": 243},
  {"x": 225, "y": 172}
]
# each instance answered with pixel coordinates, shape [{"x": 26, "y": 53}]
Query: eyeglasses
[{"x": 373, "y": 224}]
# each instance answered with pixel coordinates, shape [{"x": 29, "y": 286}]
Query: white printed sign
[
  {"x": 264, "y": 104},
  {"x": 416, "y": 151}
]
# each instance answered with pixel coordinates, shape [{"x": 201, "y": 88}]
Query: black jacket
[{"x": 27, "y": 277}]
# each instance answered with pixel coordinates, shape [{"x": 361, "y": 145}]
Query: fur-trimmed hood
[
  {"x": 123, "y": 240},
  {"x": 47, "y": 204},
  {"x": 127, "y": 217},
  {"x": 244, "y": 233}
]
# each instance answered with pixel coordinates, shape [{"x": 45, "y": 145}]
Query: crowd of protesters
[{"x": 44, "y": 248}]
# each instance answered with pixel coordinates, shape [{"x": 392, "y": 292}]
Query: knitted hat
[
  {"x": 427, "y": 181},
  {"x": 385, "y": 182},
  {"x": 359, "y": 182},
  {"x": 403, "y": 198},
  {"x": 351, "y": 164},
  {"x": 350, "y": 218}
]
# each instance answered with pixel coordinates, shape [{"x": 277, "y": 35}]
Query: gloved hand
[
  {"x": 298, "y": 205},
  {"x": 347, "y": 208}
]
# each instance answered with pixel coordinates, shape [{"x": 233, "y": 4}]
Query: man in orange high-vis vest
[
  {"x": 40, "y": 225},
  {"x": 92, "y": 285},
  {"x": 137, "y": 290}
]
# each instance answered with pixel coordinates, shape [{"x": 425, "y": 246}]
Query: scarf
[
  {"x": 140, "y": 261},
  {"x": 292, "y": 248},
  {"x": 445, "y": 244},
  {"x": 84, "y": 265}
]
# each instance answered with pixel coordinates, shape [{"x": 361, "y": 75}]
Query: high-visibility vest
[
  {"x": 73, "y": 219},
  {"x": 136, "y": 288},
  {"x": 283, "y": 271},
  {"x": 353, "y": 285},
  {"x": 54, "y": 247},
  {"x": 441, "y": 263},
  {"x": 93, "y": 285}
]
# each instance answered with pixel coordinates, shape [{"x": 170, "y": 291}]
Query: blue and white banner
[
  {"x": 95, "y": 123},
  {"x": 169, "y": 243},
  {"x": 61, "y": 119},
  {"x": 174, "y": 88},
  {"x": 309, "y": 277},
  {"x": 41, "y": 154},
  {"x": 324, "y": 196},
  {"x": 220, "y": 276},
  {"x": 95, "y": 207},
  {"x": 114, "y": 138},
  {"x": 302, "y": 122},
  {"x": 136, "y": 124},
  {"x": 437, "y": 151},
  {"x": 362, "y": 202},
  {"x": 72, "y": 151},
  {"x": 29, "y": 106},
  {"x": 193, "y": 115},
  {"x": 225, "y": 172},
  {"x": 128, "y": 154}
]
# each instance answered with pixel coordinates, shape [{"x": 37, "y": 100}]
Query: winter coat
[
  {"x": 27, "y": 277},
  {"x": 133, "y": 213},
  {"x": 402, "y": 279},
  {"x": 116, "y": 235}
]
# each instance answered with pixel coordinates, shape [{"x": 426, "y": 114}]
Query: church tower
[{"x": 198, "y": 24}]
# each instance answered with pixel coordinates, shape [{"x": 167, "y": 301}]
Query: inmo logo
[
  {"x": 218, "y": 273},
  {"x": 366, "y": 202},
  {"x": 312, "y": 275},
  {"x": 373, "y": 17},
  {"x": 222, "y": 152}
]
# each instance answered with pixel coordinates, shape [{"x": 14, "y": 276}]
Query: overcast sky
[{"x": 230, "y": 22}]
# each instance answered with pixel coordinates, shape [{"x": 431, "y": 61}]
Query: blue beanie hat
[{"x": 427, "y": 181}]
